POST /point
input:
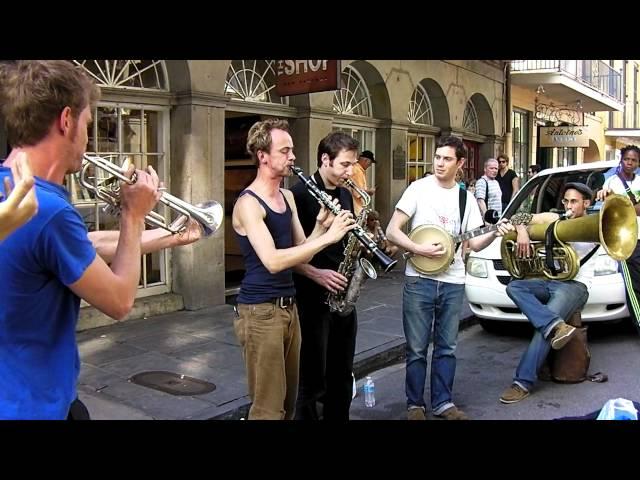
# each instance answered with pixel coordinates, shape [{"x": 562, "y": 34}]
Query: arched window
[
  {"x": 353, "y": 96},
  {"x": 252, "y": 81},
  {"x": 470, "y": 118},
  {"x": 127, "y": 130},
  {"x": 140, "y": 74},
  {"x": 420, "y": 111}
]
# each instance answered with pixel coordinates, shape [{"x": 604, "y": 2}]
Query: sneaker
[
  {"x": 514, "y": 394},
  {"x": 416, "y": 413},
  {"x": 561, "y": 335},
  {"x": 453, "y": 413}
]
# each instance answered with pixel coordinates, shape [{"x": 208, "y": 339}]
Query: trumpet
[{"x": 209, "y": 214}]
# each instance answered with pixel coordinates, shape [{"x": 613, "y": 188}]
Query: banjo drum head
[{"x": 432, "y": 234}]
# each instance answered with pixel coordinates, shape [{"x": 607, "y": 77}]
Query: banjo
[{"x": 435, "y": 234}]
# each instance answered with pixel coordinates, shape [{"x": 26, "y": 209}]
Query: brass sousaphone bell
[{"x": 614, "y": 227}]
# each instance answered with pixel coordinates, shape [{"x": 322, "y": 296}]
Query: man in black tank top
[
  {"x": 272, "y": 241},
  {"x": 328, "y": 339}
]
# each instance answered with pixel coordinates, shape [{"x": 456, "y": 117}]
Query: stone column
[
  {"x": 307, "y": 130},
  {"x": 491, "y": 147},
  {"x": 197, "y": 174},
  {"x": 391, "y": 152}
]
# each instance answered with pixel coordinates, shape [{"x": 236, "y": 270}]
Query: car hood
[{"x": 491, "y": 252}]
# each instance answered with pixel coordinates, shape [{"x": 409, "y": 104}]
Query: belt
[{"x": 284, "y": 302}]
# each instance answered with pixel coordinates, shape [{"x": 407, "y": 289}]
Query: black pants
[
  {"x": 631, "y": 275},
  {"x": 326, "y": 360},
  {"x": 78, "y": 411}
]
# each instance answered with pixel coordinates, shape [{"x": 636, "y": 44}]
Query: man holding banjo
[{"x": 436, "y": 294}]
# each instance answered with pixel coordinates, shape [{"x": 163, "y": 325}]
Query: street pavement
[{"x": 202, "y": 345}]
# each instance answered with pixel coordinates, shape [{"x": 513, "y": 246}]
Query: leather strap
[{"x": 549, "y": 243}]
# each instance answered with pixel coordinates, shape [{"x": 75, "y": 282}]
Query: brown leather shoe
[
  {"x": 416, "y": 413},
  {"x": 561, "y": 335},
  {"x": 453, "y": 413}
]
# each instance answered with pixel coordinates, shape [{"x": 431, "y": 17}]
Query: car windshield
[{"x": 543, "y": 193}]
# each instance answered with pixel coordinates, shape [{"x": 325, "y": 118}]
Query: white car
[{"x": 487, "y": 278}]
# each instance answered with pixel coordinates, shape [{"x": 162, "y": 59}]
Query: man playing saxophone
[
  {"x": 547, "y": 303},
  {"x": 328, "y": 339}
]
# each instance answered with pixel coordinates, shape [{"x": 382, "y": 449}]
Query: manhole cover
[{"x": 172, "y": 383}]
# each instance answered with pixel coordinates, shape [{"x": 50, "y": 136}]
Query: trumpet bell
[
  {"x": 211, "y": 214},
  {"x": 104, "y": 184}
]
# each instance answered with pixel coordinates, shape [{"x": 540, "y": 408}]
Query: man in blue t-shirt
[{"x": 50, "y": 263}]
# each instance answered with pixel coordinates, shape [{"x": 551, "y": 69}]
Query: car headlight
[
  {"x": 605, "y": 265},
  {"x": 477, "y": 267}
]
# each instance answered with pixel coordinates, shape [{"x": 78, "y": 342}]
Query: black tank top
[{"x": 258, "y": 285}]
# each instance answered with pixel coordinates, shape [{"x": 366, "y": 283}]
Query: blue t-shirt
[{"x": 39, "y": 361}]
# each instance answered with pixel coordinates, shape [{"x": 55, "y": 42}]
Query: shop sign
[
  {"x": 295, "y": 77},
  {"x": 563, "y": 137}
]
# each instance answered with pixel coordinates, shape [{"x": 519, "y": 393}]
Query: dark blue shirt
[
  {"x": 258, "y": 285},
  {"x": 39, "y": 361}
]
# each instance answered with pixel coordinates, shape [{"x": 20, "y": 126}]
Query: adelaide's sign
[
  {"x": 305, "y": 76},
  {"x": 563, "y": 137}
]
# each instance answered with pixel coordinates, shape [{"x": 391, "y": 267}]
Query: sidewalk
[{"x": 203, "y": 345}]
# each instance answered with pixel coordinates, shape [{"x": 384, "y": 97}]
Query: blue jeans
[
  {"x": 545, "y": 303},
  {"x": 423, "y": 301}
]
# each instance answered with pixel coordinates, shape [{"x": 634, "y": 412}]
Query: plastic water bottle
[{"x": 369, "y": 393}]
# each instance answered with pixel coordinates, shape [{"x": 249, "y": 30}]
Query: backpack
[{"x": 570, "y": 364}]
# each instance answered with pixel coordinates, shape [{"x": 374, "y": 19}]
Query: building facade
[
  {"x": 567, "y": 95},
  {"x": 623, "y": 127},
  {"x": 189, "y": 119}
]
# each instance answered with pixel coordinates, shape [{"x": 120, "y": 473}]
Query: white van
[{"x": 487, "y": 278}]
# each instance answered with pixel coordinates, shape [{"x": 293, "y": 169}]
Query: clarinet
[{"x": 386, "y": 262}]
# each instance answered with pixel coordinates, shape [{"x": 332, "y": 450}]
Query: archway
[{"x": 592, "y": 153}]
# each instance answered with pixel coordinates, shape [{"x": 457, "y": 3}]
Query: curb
[{"x": 377, "y": 358}]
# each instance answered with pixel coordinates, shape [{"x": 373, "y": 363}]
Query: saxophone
[{"x": 355, "y": 267}]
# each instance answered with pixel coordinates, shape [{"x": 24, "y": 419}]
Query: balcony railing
[{"x": 594, "y": 73}]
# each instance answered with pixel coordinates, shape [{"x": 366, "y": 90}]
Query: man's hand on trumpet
[
  {"x": 139, "y": 198},
  {"x": 191, "y": 234}
]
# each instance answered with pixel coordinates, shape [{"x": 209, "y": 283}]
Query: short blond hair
[{"x": 259, "y": 137}]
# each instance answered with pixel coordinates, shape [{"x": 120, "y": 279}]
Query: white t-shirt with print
[
  {"x": 427, "y": 203},
  {"x": 614, "y": 183}
]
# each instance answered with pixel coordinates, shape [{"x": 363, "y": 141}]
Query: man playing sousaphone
[
  {"x": 436, "y": 200},
  {"x": 547, "y": 303}
]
